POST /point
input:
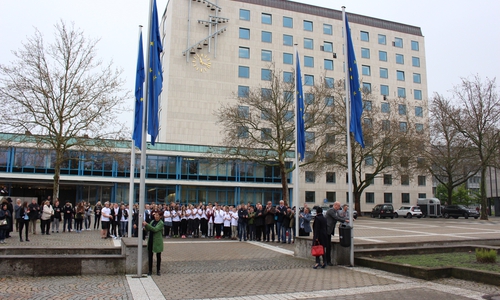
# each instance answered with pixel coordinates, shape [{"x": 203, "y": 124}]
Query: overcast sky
[{"x": 461, "y": 37}]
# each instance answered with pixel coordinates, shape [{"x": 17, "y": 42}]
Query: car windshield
[{"x": 463, "y": 207}]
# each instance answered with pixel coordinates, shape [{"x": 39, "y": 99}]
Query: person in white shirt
[
  {"x": 218, "y": 221},
  {"x": 195, "y": 230},
  {"x": 227, "y": 223},
  {"x": 105, "y": 217},
  {"x": 210, "y": 221},
  {"x": 234, "y": 223},
  {"x": 167, "y": 221},
  {"x": 203, "y": 221},
  {"x": 189, "y": 216},
  {"x": 124, "y": 220},
  {"x": 183, "y": 222},
  {"x": 176, "y": 221}
]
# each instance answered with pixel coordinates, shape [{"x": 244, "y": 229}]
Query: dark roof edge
[{"x": 336, "y": 14}]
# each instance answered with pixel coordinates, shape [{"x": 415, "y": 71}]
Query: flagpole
[
  {"x": 142, "y": 184},
  {"x": 132, "y": 168},
  {"x": 348, "y": 132},
  {"x": 296, "y": 161}
]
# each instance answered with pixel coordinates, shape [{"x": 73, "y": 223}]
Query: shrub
[{"x": 486, "y": 256}]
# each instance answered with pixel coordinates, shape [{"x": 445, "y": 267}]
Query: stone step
[{"x": 35, "y": 251}]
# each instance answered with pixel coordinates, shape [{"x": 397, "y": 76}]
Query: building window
[
  {"x": 398, "y": 42},
  {"x": 384, "y": 73},
  {"x": 415, "y": 61},
  {"x": 264, "y": 116},
  {"x": 368, "y": 122},
  {"x": 310, "y": 176},
  {"x": 369, "y": 197},
  {"x": 370, "y": 179},
  {"x": 405, "y": 197},
  {"x": 386, "y": 125},
  {"x": 243, "y": 72},
  {"x": 243, "y": 111},
  {"x": 365, "y": 70},
  {"x": 308, "y": 25},
  {"x": 405, "y": 180},
  {"x": 365, "y": 36},
  {"x": 266, "y": 55},
  {"x": 308, "y": 43},
  {"x": 244, "y": 14},
  {"x": 417, "y": 94},
  {"x": 288, "y": 58},
  {"x": 367, "y": 87},
  {"x": 310, "y": 137},
  {"x": 309, "y": 80},
  {"x": 310, "y": 196},
  {"x": 265, "y": 134},
  {"x": 387, "y": 197},
  {"x": 267, "y": 37},
  {"x": 287, "y": 77},
  {"x": 244, "y": 52},
  {"x": 402, "y": 109},
  {"x": 385, "y": 107},
  {"x": 289, "y": 118},
  {"x": 327, "y": 29},
  {"x": 265, "y": 93},
  {"x": 365, "y": 53},
  {"x": 369, "y": 160},
  {"x": 384, "y": 90},
  {"x": 267, "y": 18},
  {"x": 329, "y": 82},
  {"x": 328, "y": 64},
  {"x": 414, "y": 46},
  {"x": 327, "y": 47},
  {"x": 367, "y": 105},
  {"x": 243, "y": 91},
  {"x": 288, "y": 96},
  {"x": 309, "y": 61},
  {"x": 419, "y": 127},
  {"x": 288, "y": 22},
  {"x": 331, "y": 197},
  {"x": 403, "y": 126},
  {"x": 400, "y": 75},
  {"x": 422, "y": 195},
  {"x": 287, "y": 40},
  {"x": 244, "y": 33},
  {"x": 265, "y": 74},
  {"x": 387, "y": 179},
  {"x": 308, "y": 98},
  {"x": 382, "y": 56},
  {"x": 401, "y": 92},
  {"x": 330, "y": 177},
  {"x": 382, "y": 40},
  {"x": 400, "y": 59},
  {"x": 419, "y": 111},
  {"x": 329, "y": 101},
  {"x": 330, "y": 139},
  {"x": 421, "y": 180},
  {"x": 242, "y": 132},
  {"x": 416, "y": 78}
]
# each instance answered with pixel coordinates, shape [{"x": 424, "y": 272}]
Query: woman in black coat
[{"x": 320, "y": 234}]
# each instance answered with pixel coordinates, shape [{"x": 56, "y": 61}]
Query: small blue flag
[
  {"x": 139, "y": 97},
  {"x": 155, "y": 78},
  {"x": 355, "y": 90},
  {"x": 301, "y": 140}
]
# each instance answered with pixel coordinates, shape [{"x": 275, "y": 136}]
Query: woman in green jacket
[{"x": 155, "y": 242}]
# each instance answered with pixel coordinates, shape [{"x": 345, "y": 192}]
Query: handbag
[
  {"x": 317, "y": 249},
  {"x": 3, "y": 222}
]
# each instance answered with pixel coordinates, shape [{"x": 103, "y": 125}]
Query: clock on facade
[{"x": 201, "y": 62}]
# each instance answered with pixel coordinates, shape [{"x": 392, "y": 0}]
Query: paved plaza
[{"x": 213, "y": 269}]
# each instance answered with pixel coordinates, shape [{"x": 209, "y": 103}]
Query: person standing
[
  {"x": 242, "y": 222},
  {"x": 34, "y": 213},
  {"x": 17, "y": 213},
  {"x": 280, "y": 215},
  {"x": 79, "y": 216},
  {"x": 332, "y": 217},
  {"x": 116, "y": 214},
  {"x": 88, "y": 216},
  {"x": 305, "y": 218},
  {"x": 259, "y": 223},
  {"x": 5, "y": 219},
  {"x": 155, "y": 242},
  {"x": 24, "y": 221},
  {"x": 105, "y": 218},
  {"x": 47, "y": 212},
  {"x": 57, "y": 216},
  {"x": 320, "y": 235},
  {"x": 124, "y": 221},
  {"x": 97, "y": 215},
  {"x": 269, "y": 220},
  {"x": 68, "y": 213}
]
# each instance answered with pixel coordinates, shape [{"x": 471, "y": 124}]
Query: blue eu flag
[
  {"x": 155, "y": 75},
  {"x": 355, "y": 90},
  {"x": 139, "y": 96},
  {"x": 301, "y": 141}
]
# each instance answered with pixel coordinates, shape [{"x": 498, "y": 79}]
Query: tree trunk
[
  {"x": 284, "y": 183},
  {"x": 357, "y": 202},
  {"x": 449, "y": 188},
  {"x": 484, "y": 202},
  {"x": 57, "y": 173}
]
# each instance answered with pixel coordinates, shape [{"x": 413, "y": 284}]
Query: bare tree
[
  {"x": 61, "y": 95},
  {"x": 394, "y": 145},
  {"x": 260, "y": 126},
  {"x": 451, "y": 157},
  {"x": 478, "y": 119}
]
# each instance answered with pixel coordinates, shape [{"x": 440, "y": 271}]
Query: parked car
[
  {"x": 382, "y": 211},
  {"x": 457, "y": 211},
  {"x": 408, "y": 212}
]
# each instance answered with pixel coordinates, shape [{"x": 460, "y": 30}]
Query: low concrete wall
[
  {"x": 130, "y": 251},
  {"x": 340, "y": 255}
]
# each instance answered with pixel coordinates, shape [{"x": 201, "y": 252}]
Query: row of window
[
  {"x": 384, "y": 73},
  {"x": 267, "y": 55},
  {"x": 310, "y": 177},
  {"x": 307, "y": 25},
  {"x": 287, "y": 22},
  {"x": 310, "y": 197}
]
